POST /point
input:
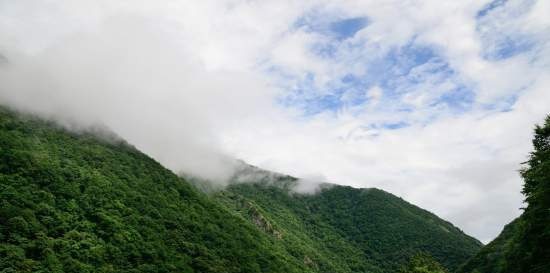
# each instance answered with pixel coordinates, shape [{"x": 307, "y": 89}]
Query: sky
[{"x": 431, "y": 100}]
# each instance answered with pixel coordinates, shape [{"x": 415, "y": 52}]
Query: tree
[
  {"x": 533, "y": 255},
  {"x": 422, "y": 263}
]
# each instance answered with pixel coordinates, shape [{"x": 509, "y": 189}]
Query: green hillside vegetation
[
  {"x": 524, "y": 245},
  {"x": 361, "y": 227},
  {"x": 422, "y": 263},
  {"x": 74, "y": 202}
]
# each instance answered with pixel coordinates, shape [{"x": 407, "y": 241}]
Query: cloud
[
  {"x": 430, "y": 100},
  {"x": 136, "y": 77}
]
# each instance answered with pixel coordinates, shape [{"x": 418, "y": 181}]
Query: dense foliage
[
  {"x": 73, "y": 203},
  {"x": 344, "y": 229},
  {"x": 422, "y": 263},
  {"x": 524, "y": 244},
  {"x": 534, "y": 246}
]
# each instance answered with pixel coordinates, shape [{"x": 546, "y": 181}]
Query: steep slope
[
  {"x": 524, "y": 245},
  {"x": 347, "y": 228},
  {"x": 74, "y": 203}
]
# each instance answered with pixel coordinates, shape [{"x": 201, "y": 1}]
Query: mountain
[
  {"x": 72, "y": 202},
  {"x": 90, "y": 202},
  {"x": 345, "y": 229},
  {"x": 524, "y": 244}
]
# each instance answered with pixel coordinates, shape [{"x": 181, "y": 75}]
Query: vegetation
[
  {"x": 422, "y": 263},
  {"x": 343, "y": 229},
  {"x": 524, "y": 245},
  {"x": 73, "y": 203}
]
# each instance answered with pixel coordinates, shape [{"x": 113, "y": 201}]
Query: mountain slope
[
  {"x": 494, "y": 257},
  {"x": 74, "y": 203},
  {"x": 353, "y": 228}
]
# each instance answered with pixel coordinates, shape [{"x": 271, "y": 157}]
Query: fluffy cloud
[{"x": 431, "y": 100}]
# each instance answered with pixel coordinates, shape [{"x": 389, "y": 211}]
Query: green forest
[
  {"x": 362, "y": 227},
  {"x": 76, "y": 202}
]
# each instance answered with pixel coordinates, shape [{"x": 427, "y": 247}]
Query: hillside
[
  {"x": 76, "y": 202},
  {"x": 349, "y": 229},
  {"x": 494, "y": 257}
]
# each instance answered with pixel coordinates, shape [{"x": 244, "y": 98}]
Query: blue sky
[{"x": 398, "y": 71}]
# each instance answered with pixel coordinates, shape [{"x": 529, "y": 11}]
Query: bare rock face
[
  {"x": 260, "y": 221},
  {"x": 310, "y": 263}
]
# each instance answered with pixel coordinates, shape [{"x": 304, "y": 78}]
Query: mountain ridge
[
  {"x": 73, "y": 202},
  {"x": 312, "y": 207}
]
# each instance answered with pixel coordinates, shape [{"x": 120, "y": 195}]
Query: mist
[{"x": 135, "y": 77}]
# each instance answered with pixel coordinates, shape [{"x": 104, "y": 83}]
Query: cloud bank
[{"x": 430, "y": 100}]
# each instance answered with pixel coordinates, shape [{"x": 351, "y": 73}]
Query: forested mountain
[
  {"x": 344, "y": 229},
  {"x": 524, "y": 245},
  {"x": 75, "y": 202}
]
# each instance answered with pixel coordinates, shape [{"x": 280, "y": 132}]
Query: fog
[{"x": 137, "y": 79}]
